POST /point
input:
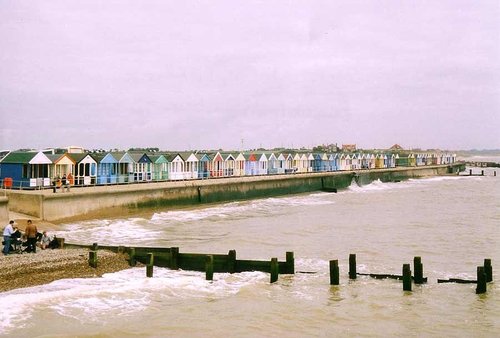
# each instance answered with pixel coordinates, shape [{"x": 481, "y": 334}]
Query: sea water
[{"x": 452, "y": 222}]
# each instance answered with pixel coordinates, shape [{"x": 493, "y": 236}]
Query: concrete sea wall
[
  {"x": 4, "y": 211},
  {"x": 103, "y": 201}
]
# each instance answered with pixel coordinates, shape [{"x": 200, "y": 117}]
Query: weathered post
[
  {"x": 406, "y": 277},
  {"x": 93, "y": 259},
  {"x": 60, "y": 241},
  {"x": 131, "y": 260},
  {"x": 482, "y": 172},
  {"x": 418, "y": 270},
  {"x": 231, "y": 261},
  {"x": 494, "y": 173},
  {"x": 334, "y": 272},
  {"x": 150, "y": 265},
  {"x": 290, "y": 262},
  {"x": 488, "y": 270},
  {"x": 174, "y": 256},
  {"x": 274, "y": 269},
  {"x": 209, "y": 267},
  {"x": 470, "y": 172},
  {"x": 481, "y": 280},
  {"x": 352, "y": 266},
  {"x": 94, "y": 247}
]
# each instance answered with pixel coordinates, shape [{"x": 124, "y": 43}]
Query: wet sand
[{"x": 45, "y": 266}]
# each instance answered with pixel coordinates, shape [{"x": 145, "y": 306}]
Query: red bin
[{"x": 7, "y": 182}]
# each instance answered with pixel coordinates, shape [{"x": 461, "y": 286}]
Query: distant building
[
  {"x": 349, "y": 147},
  {"x": 396, "y": 147},
  {"x": 75, "y": 150}
]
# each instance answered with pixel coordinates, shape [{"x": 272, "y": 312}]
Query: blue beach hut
[
  {"x": 107, "y": 169},
  {"x": 203, "y": 165},
  {"x": 25, "y": 169}
]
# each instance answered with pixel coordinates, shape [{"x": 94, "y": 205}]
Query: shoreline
[{"x": 45, "y": 266}]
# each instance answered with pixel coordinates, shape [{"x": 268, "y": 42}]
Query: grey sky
[{"x": 207, "y": 74}]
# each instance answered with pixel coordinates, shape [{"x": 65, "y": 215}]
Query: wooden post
[
  {"x": 482, "y": 172},
  {"x": 418, "y": 270},
  {"x": 470, "y": 172},
  {"x": 131, "y": 254},
  {"x": 93, "y": 259},
  {"x": 334, "y": 272},
  {"x": 231, "y": 261},
  {"x": 494, "y": 173},
  {"x": 488, "y": 270},
  {"x": 352, "y": 266},
  {"x": 274, "y": 269},
  {"x": 61, "y": 243},
  {"x": 174, "y": 263},
  {"x": 290, "y": 263},
  {"x": 481, "y": 280},
  {"x": 406, "y": 277},
  {"x": 94, "y": 247},
  {"x": 150, "y": 265},
  {"x": 209, "y": 267}
]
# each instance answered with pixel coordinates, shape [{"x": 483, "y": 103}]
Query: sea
[{"x": 451, "y": 222}]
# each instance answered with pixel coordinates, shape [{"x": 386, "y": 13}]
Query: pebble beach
[{"x": 45, "y": 266}]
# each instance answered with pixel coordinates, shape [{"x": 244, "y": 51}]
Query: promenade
[{"x": 117, "y": 200}]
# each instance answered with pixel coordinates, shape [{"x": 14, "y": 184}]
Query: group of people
[
  {"x": 29, "y": 240},
  {"x": 64, "y": 183}
]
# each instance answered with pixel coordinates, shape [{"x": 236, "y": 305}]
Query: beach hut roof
[{"x": 18, "y": 157}]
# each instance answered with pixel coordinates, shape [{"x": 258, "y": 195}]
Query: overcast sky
[{"x": 219, "y": 74}]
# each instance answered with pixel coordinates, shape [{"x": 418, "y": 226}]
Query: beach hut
[
  {"x": 355, "y": 161},
  {"x": 229, "y": 164},
  {"x": 317, "y": 164},
  {"x": 85, "y": 172},
  {"x": 262, "y": 164},
  {"x": 142, "y": 167},
  {"x": 217, "y": 165},
  {"x": 160, "y": 167},
  {"x": 239, "y": 167},
  {"x": 190, "y": 165},
  {"x": 62, "y": 165},
  {"x": 332, "y": 162},
  {"x": 177, "y": 167},
  {"x": 107, "y": 168},
  {"x": 21, "y": 169},
  {"x": 289, "y": 168},
  {"x": 125, "y": 167},
  {"x": 273, "y": 164},
  {"x": 204, "y": 161},
  {"x": 281, "y": 164},
  {"x": 251, "y": 164}
]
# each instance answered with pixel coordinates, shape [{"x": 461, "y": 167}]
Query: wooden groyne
[
  {"x": 119, "y": 200},
  {"x": 481, "y": 173},
  {"x": 173, "y": 259},
  {"x": 482, "y": 164}
]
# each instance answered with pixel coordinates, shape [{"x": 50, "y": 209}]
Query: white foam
[{"x": 127, "y": 291}]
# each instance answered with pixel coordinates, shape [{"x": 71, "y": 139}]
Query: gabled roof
[
  {"x": 56, "y": 158},
  {"x": 18, "y": 157},
  {"x": 78, "y": 157},
  {"x": 158, "y": 158}
]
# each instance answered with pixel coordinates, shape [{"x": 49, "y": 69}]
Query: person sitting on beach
[
  {"x": 54, "y": 243},
  {"x": 45, "y": 241},
  {"x": 7, "y": 233}
]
